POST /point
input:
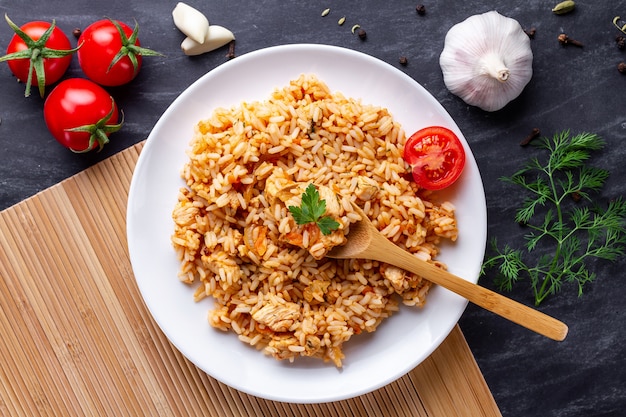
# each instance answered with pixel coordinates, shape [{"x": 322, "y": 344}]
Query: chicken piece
[
  {"x": 278, "y": 186},
  {"x": 396, "y": 276},
  {"x": 278, "y": 346},
  {"x": 225, "y": 268},
  {"x": 315, "y": 291},
  {"x": 333, "y": 208},
  {"x": 312, "y": 345},
  {"x": 366, "y": 188},
  {"x": 277, "y": 314}
]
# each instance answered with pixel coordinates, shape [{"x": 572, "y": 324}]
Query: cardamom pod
[{"x": 564, "y": 7}]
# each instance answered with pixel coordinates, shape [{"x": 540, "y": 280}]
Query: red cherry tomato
[
  {"x": 40, "y": 49},
  {"x": 110, "y": 53},
  {"x": 81, "y": 115},
  {"x": 436, "y": 156}
]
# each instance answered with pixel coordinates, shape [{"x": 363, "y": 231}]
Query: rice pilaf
[{"x": 268, "y": 276}]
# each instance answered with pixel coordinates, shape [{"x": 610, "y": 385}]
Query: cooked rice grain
[{"x": 275, "y": 296}]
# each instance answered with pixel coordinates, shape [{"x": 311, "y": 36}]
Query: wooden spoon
[{"x": 366, "y": 242}]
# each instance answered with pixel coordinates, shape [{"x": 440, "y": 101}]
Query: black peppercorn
[
  {"x": 403, "y": 60},
  {"x": 620, "y": 41},
  {"x": 621, "y": 67},
  {"x": 362, "y": 34},
  {"x": 76, "y": 32},
  {"x": 420, "y": 9}
]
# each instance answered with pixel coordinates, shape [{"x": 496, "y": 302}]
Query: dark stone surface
[{"x": 572, "y": 88}]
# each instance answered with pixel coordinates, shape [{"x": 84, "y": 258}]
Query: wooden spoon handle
[{"x": 505, "y": 307}]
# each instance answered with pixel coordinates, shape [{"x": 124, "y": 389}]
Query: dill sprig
[{"x": 570, "y": 232}]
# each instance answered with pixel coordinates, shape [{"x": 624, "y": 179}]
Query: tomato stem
[
  {"x": 129, "y": 47},
  {"x": 99, "y": 132}
]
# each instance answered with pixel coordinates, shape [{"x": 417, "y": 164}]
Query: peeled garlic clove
[
  {"x": 191, "y": 22},
  {"x": 487, "y": 60},
  {"x": 217, "y": 37}
]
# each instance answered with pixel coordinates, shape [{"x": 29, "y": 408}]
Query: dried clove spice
[
  {"x": 566, "y": 40},
  {"x": 533, "y": 134},
  {"x": 576, "y": 196},
  {"x": 231, "y": 50}
]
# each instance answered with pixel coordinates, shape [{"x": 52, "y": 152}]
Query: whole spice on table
[
  {"x": 403, "y": 60},
  {"x": 620, "y": 41},
  {"x": 231, "y": 50},
  {"x": 564, "y": 7},
  {"x": 621, "y": 67},
  {"x": 533, "y": 135},
  {"x": 566, "y": 40},
  {"x": 420, "y": 9},
  {"x": 362, "y": 34},
  {"x": 565, "y": 233},
  {"x": 619, "y": 24}
]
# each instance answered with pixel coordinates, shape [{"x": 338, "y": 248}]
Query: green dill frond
[
  {"x": 587, "y": 141},
  {"x": 581, "y": 217},
  {"x": 569, "y": 233},
  {"x": 592, "y": 179},
  {"x": 527, "y": 211}
]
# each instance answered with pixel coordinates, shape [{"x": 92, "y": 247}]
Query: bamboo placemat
[{"x": 77, "y": 339}]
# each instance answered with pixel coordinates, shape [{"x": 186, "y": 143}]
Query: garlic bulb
[{"x": 487, "y": 60}]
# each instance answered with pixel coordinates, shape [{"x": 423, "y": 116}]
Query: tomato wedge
[{"x": 436, "y": 156}]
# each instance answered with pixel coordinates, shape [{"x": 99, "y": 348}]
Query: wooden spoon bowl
[{"x": 366, "y": 242}]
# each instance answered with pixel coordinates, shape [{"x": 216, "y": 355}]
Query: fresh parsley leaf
[
  {"x": 568, "y": 234},
  {"x": 312, "y": 210},
  {"x": 327, "y": 225}
]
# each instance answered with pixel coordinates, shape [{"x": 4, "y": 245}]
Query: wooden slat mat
[{"x": 77, "y": 339}]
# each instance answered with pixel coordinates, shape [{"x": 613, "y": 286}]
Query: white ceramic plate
[{"x": 372, "y": 361}]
